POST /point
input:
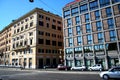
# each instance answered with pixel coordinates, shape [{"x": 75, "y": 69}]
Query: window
[
  {"x": 47, "y": 42},
  {"x": 88, "y": 49},
  {"x": 74, "y": 11},
  {"x": 87, "y": 17},
  {"x": 69, "y": 51},
  {"x": 115, "y": 1},
  {"x": 47, "y": 25},
  {"x": 59, "y": 28},
  {"x": 79, "y": 40},
  {"x": 41, "y": 16},
  {"x": 53, "y": 43},
  {"x": 77, "y": 19},
  {"x": 59, "y": 22},
  {"x": 99, "y": 48},
  {"x": 108, "y": 12},
  {"x": 26, "y": 26},
  {"x": 40, "y": 41},
  {"x": 30, "y": 33},
  {"x": 88, "y": 28},
  {"x": 99, "y": 25},
  {"x": 70, "y": 40},
  {"x": 110, "y": 23},
  {"x": 31, "y": 41},
  {"x": 59, "y": 43},
  {"x": 67, "y": 14},
  {"x": 78, "y": 50},
  {"x": 100, "y": 37},
  {"x": 97, "y": 15},
  {"x": 89, "y": 39},
  {"x": 54, "y": 27},
  {"x": 78, "y": 30},
  {"x": 104, "y": 3},
  {"x": 41, "y": 23},
  {"x": 31, "y": 24},
  {"x": 40, "y": 50},
  {"x": 112, "y": 35},
  {"x": 22, "y": 28},
  {"x": 47, "y": 18},
  {"x": 69, "y": 31},
  {"x": 83, "y": 8},
  {"x": 40, "y": 32},
  {"x": 94, "y": 5},
  {"x": 69, "y": 22}
]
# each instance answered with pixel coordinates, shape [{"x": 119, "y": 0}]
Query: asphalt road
[{"x": 9, "y": 74}]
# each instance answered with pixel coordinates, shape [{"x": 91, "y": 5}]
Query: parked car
[
  {"x": 96, "y": 67},
  {"x": 78, "y": 68},
  {"x": 111, "y": 73},
  {"x": 62, "y": 67}
]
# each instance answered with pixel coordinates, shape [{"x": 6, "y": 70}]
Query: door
[{"x": 40, "y": 63}]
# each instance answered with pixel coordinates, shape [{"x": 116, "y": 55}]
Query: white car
[
  {"x": 112, "y": 73},
  {"x": 96, "y": 67},
  {"x": 78, "y": 68}
]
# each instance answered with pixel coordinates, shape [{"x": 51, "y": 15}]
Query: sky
[{"x": 13, "y": 9}]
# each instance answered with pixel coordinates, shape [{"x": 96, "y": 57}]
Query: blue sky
[{"x": 13, "y": 9}]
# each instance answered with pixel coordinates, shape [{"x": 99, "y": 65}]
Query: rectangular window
[
  {"x": 69, "y": 51},
  {"x": 83, "y": 8},
  {"x": 98, "y": 25},
  {"x": 41, "y": 23},
  {"x": 67, "y": 14},
  {"x": 100, "y": 37},
  {"x": 69, "y": 22},
  {"x": 104, "y": 3},
  {"x": 31, "y": 24},
  {"x": 110, "y": 23},
  {"x": 54, "y": 27},
  {"x": 53, "y": 43},
  {"x": 70, "y": 40},
  {"x": 79, "y": 40},
  {"x": 74, "y": 11},
  {"x": 69, "y": 31},
  {"x": 77, "y": 19},
  {"x": 78, "y": 30},
  {"x": 115, "y": 1},
  {"x": 87, "y": 17},
  {"x": 89, "y": 39},
  {"x": 94, "y": 5},
  {"x": 97, "y": 15},
  {"x": 99, "y": 48},
  {"x": 47, "y": 42},
  {"x": 88, "y": 28},
  {"x": 78, "y": 50},
  {"x": 112, "y": 35},
  {"x": 40, "y": 41},
  {"x": 88, "y": 49},
  {"x": 108, "y": 12}
]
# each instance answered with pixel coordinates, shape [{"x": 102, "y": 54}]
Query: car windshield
[{"x": 115, "y": 69}]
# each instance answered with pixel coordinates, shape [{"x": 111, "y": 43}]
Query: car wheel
[{"x": 105, "y": 77}]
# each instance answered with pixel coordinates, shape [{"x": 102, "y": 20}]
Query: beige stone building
[{"x": 36, "y": 39}]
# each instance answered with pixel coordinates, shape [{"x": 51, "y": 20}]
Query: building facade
[
  {"x": 36, "y": 40},
  {"x": 92, "y": 33}
]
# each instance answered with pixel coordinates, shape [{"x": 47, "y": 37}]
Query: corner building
[
  {"x": 36, "y": 40},
  {"x": 92, "y": 33}
]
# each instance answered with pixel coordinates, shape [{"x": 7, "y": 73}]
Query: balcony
[{"x": 21, "y": 48}]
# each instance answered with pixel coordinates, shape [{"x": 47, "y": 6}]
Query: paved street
[{"x": 13, "y": 74}]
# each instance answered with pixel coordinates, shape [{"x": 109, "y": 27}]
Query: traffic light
[{"x": 31, "y": 0}]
